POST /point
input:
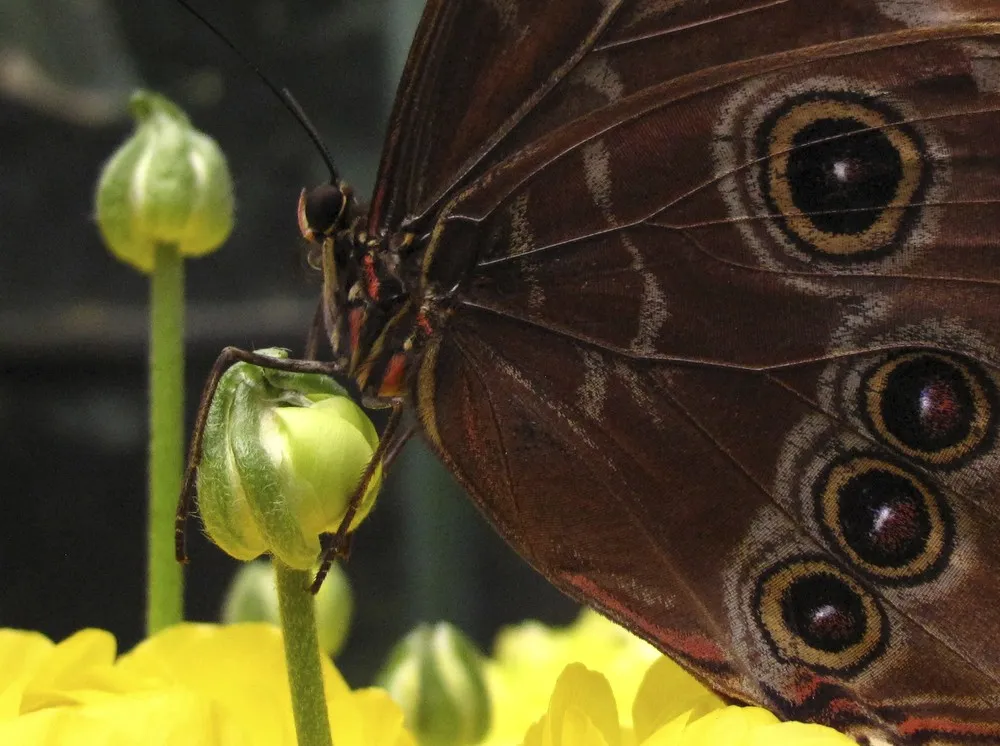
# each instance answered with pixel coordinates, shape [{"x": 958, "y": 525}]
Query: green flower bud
[
  {"x": 168, "y": 184},
  {"x": 281, "y": 457},
  {"x": 252, "y": 596},
  {"x": 435, "y": 674}
]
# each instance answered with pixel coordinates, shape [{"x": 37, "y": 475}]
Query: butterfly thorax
[{"x": 374, "y": 310}]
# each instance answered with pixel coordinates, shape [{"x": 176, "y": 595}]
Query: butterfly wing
[
  {"x": 475, "y": 69},
  {"x": 486, "y": 78},
  {"x": 686, "y": 375}
]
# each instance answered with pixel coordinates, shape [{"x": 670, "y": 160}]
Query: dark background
[{"x": 73, "y": 320}]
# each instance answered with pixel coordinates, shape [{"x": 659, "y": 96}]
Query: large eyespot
[
  {"x": 812, "y": 612},
  {"x": 932, "y": 407},
  {"x": 886, "y": 521},
  {"x": 842, "y": 174}
]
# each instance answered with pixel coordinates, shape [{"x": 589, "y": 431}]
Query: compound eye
[{"x": 320, "y": 211}]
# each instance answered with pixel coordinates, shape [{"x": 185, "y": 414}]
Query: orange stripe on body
[
  {"x": 395, "y": 374},
  {"x": 371, "y": 278}
]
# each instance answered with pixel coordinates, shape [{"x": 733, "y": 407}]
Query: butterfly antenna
[{"x": 283, "y": 94}]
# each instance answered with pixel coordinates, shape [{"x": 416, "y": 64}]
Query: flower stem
[
  {"x": 165, "y": 581},
  {"x": 302, "y": 656}
]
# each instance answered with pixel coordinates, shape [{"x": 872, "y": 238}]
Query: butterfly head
[
  {"x": 324, "y": 210},
  {"x": 367, "y": 307}
]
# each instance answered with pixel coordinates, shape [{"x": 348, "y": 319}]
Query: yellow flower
[
  {"x": 192, "y": 684},
  {"x": 529, "y": 658},
  {"x": 582, "y": 712},
  {"x": 576, "y": 679}
]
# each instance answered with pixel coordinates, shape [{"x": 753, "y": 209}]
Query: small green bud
[
  {"x": 167, "y": 184},
  {"x": 252, "y": 596},
  {"x": 435, "y": 674},
  {"x": 281, "y": 457}
]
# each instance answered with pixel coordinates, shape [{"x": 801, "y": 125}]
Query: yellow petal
[
  {"x": 173, "y": 718},
  {"x": 666, "y": 692},
  {"x": 730, "y": 725},
  {"x": 241, "y": 667},
  {"x": 21, "y": 654},
  {"x": 80, "y": 670},
  {"x": 579, "y": 730},
  {"x": 529, "y": 657},
  {"x": 76, "y": 656},
  {"x": 668, "y": 734},
  {"x": 743, "y": 726},
  {"x": 187, "y": 686},
  {"x": 368, "y": 717},
  {"x": 798, "y": 734},
  {"x": 580, "y": 690},
  {"x": 535, "y": 735}
]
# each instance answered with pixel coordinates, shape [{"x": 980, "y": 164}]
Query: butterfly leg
[
  {"x": 316, "y": 329},
  {"x": 338, "y": 544},
  {"x": 227, "y": 358}
]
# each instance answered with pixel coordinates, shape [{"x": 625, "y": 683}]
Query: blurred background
[{"x": 73, "y": 320}]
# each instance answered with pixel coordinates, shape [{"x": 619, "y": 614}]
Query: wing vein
[{"x": 619, "y": 43}]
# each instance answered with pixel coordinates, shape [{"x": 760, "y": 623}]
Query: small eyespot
[
  {"x": 886, "y": 521},
  {"x": 936, "y": 408},
  {"x": 813, "y": 613},
  {"x": 842, "y": 174}
]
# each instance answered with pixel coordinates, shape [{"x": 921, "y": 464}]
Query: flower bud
[
  {"x": 435, "y": 674},
  {"x": 281, "y": 457},
  {"x": 252, "y": 596},
  {"x": 167, "y": 184}
]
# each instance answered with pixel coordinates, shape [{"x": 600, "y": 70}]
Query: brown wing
[
  {"x": 485, "y": 78},
  {"x": 745, "y": 404},
  {"x": 475, "y": 68}
]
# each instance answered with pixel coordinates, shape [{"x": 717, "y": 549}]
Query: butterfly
[{"x": 699, "y": 301}]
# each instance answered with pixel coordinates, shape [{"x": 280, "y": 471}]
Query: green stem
[
  {"x": 165, "y": 581},
  {"x": 302, "y": 656}
]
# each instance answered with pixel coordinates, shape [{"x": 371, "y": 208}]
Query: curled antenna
[{"x": 286, "y": 97}]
